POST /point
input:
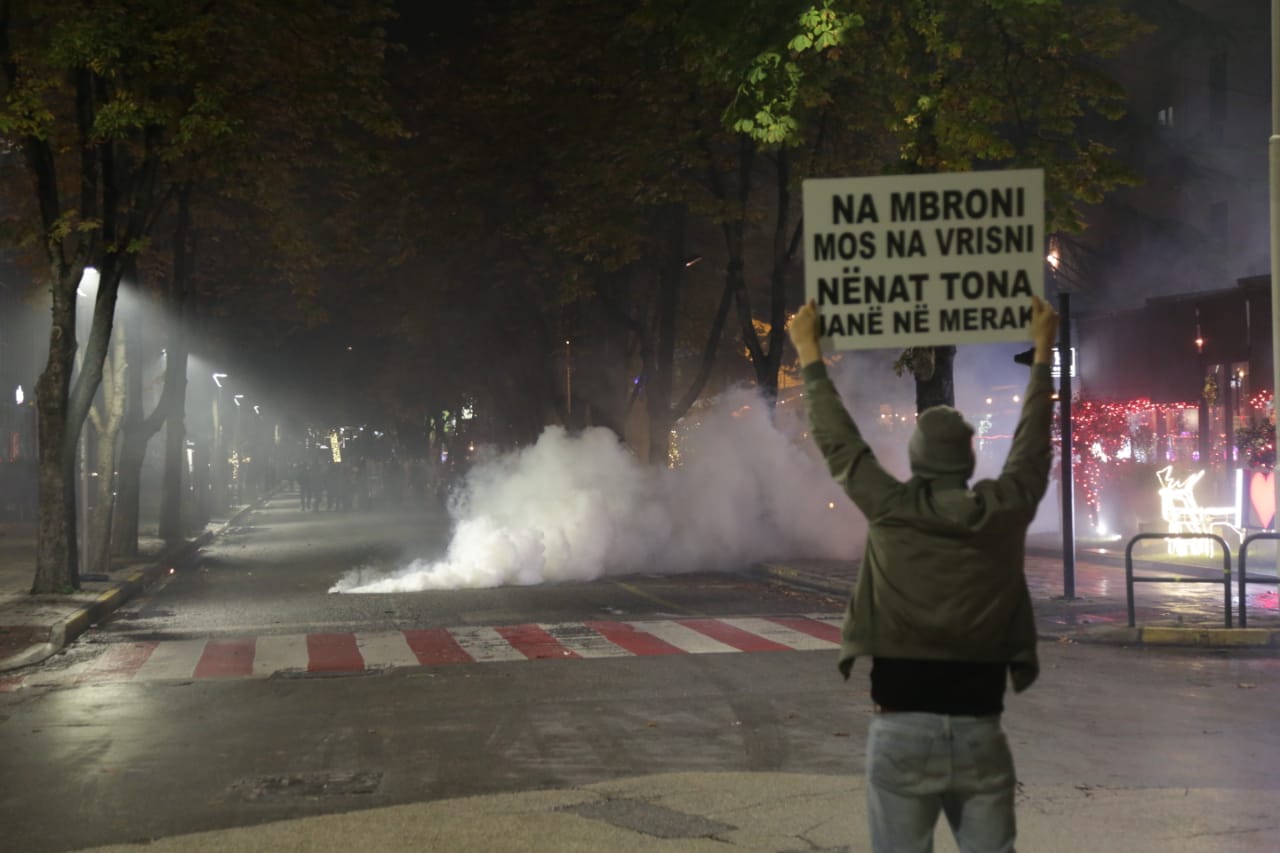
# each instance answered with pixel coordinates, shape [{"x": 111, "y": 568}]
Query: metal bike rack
[
  {"x": 1130, "y": 580},
  {"x": 1246, "y": 579}
]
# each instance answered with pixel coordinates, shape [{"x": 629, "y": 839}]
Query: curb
[
  {"x": 1146, "y": 635},
  {"x": 1159, "y": 635},
  {"x": 65, "y": 631}
]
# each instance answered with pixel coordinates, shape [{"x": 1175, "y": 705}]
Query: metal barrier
[
  {"x": 1244, "y": 576},
  {"x": 1130, "y": 580}
]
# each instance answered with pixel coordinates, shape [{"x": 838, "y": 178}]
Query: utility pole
[{"x": 1273, "y": 158}]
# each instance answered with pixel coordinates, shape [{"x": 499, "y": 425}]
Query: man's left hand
[{"x": 803, "y": 329}]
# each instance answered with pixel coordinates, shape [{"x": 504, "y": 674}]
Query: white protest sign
[{"x": 924, "y": 260}]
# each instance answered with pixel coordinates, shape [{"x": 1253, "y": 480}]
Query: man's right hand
[{"x": 1044, "y": 329}]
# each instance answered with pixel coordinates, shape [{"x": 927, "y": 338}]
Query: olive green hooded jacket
[{"x": 942, "y": 576}]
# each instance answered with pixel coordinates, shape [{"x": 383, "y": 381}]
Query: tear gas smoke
[
  {"x": 749, "y": 488},
  {"x": 580, "y": 506}
]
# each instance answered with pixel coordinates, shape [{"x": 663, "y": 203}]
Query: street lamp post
[
  {"x": 568, "y": 379},
  {"x": 1065, "y": 366},
  {"x": 218, "y": 455}
]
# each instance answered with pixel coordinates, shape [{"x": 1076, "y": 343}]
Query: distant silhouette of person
[
  {"x": 304, "y": 477},
  {"x": 319, "y": 485},
  {"x": 941, "y": 604}
]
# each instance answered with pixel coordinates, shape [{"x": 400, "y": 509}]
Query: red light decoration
[{"x": 1100, "y": 430}]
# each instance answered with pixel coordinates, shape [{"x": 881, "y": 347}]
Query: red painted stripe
[
  {"x": 534, "y": 642},
  {"x": 821, "y": 630},
  {"x": 634, "y": 641},
  {"x": 333, "y": 653},
  {"x": 226, "y": 659},
  {"x": 8, "y": 685},
  {"x": 730, "y": 635},
  {"x": 119, "y": 662},
  {"x": 435, "y": 646}
]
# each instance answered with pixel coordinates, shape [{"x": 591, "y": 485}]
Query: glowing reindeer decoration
[{"x": 1184, "y": 514}]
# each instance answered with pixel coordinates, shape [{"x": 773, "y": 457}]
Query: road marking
[
  {"x": 435, "y": 646},
  {"x": 784, "y": 635},
  {"x": 389, "y": 649},
  {"x": 337, "y": 652},
  {"x": 485, "y": 644},
  {"x": 175, "y": 659},
  {"x": 120, "y": 662},
  {"x": 226, "y": 659},
  {"x": 585, "y": 642},
  {"x": 535, "y": 642},
  {"x": 683, "y": 638},
  {"x": 275, "y": 652},
  {"x": 333, "y": 653}
]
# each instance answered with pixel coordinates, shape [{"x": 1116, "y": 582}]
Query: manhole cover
[{"x": 319, "y": 783}]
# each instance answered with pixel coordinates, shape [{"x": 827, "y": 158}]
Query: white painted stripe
[
  {"x": 684, "y": 639},
  {"x": 175, "y": 659},
  {"x": 485, "y": 644},
  {"x": 583, "y": 641},
  {"x": 275, "y": 652},
  {"x": 385, "y": 650},
  {"x": 790, "y": 637}
]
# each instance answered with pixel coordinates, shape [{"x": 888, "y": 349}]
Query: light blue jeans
[{"x": 921, "y": 764}]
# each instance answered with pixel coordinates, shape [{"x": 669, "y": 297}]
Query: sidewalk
[
  {"x": 34, "y": 627},
  {"x": 1182, "y": 614},
  {"x": 761, "y": 812}
]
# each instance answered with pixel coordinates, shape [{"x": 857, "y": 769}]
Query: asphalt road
[{"x": 90, "y": 759}]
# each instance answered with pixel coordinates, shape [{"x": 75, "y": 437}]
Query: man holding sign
[{"x": 941, "y": 604}]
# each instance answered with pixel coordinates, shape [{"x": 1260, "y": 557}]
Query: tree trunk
[
  {"x": 56, "y": 566},
  {"x": 660, "y": 376},
  {"x": 938, "y": 388},
  {"x": 137, "y": 431},
  {"x": 172, "y": 494},
  {"x": 171, "y": 482},
  {"x": 124, "y": 523},
  {"x": 658, "y": 388},
  {"x": 107, "y": 424}
]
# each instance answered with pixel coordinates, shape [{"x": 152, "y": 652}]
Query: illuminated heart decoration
[{"x": 1262, "y": 494}]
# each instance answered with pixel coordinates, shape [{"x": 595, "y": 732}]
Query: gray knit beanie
[{"x": 942, "y": 444}]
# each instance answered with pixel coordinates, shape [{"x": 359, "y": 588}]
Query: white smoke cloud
[{"x": 750, "y": 487}]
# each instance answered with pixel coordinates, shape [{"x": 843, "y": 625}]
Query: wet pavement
[{"x": 774, "y": 811}]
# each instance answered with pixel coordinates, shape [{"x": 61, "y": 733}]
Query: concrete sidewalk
[
  {"x": 764, "y": 812},
  {"x": 1187, "y": 613}
]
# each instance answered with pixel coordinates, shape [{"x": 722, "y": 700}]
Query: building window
[{"x": 1164, "y": 117}]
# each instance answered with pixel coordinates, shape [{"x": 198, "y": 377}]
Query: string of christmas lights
[{"x": 1102, "y": 431}]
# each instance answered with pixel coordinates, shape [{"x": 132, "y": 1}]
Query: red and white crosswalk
[{"x": 263, "y": 656}]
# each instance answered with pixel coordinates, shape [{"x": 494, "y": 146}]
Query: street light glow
[
  {"x": 88, "y": 285},
  {"x": 217, "y": 379},
  {"x": 18, "y": 396},
  {"x": 236, "y": 399}
]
